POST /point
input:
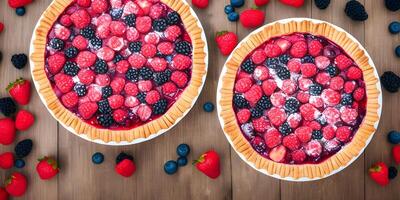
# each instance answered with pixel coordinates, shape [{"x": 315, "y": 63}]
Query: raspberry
[
  {"x": 294, "y": 120},
  {"x": 243, "y": 85},
  {"x": 359, "y": 94},
  {"x": 165, "y": 48},
  {"x": 94, "y": 94},
  {"x": 80, "y": 42},
  {"x": 179, "y": 78},
  {"x": 86, "y": 76},
  {"x": 132, "y": 8},
  {"x": 102, "y": 80},
  {"x": 272, "y": 50},
  {"x": 105, "y": 53},
  {"x": 303, "y": 133},
  {"x": 254, "y": 94},
  {"x": 291, "y": 142},
  {"x": 289, "y": 86},
  {"x": 305, "y": 83},
  {"x": 260, "y": 125},
  {"x": 70, "y": 99},
  {"x": 148, "y": 50},
  {"x": 120, "y": 115},
  {"x": 278, "y": 99},
  {"x": 117, "y": 28},
  {"x": 181, "y": 62},
  {"x": 122, "y": 66},
  {"x": 144, "y": 112},
  {"x": 261, "y": 73},
  {"x": 294, "y": 65},
  {"x": 55, "y": 63},
  {"x": 349, "y": 87},
  {"x": 343, "y": 133},
  {"x": 328, "y": 132},
  {"x": 169, "y": 88},
  {"x": 115, "y": 43},
  {"x": 343, "y": 62},
  {"x": 314, "y": 47},
  {"x": 323, "y": 78},
  {"x": 62, "y": 32},
  {"x": 86, "y": 59},
  {"x": 152, "y": 97},
  {"x": 298, "y": 156},
  {"x": 283, "y": 44},
  {"x": 316, "y": 101},
  {"x": 172, "y": 33},
  {"x": 80, "y": 18},
  {"x": 152, "y": 38},
  {"x": 132, "y": 34},
  {"x": 131, "y": 89},
  {"x": 137, "y": 60},
  {"x": 308, "y": 70},
  {"x": 116, "y": 101},
  {"x": 65, "y": 20},
  {"x": 258, "y": 56},
  {"x": 131, "y": 101},
  {"x": 145, "y": 86},
  {"x": 276, "y": 116},
  {"x": 272, "y": 138},
  {"x": 104, "y": 19},
  {"x": 331, "y": 115},
  {"x": 303, "y": 97},
  {"x": 348, "y": 115},
  {"x": 99, "y": 6},
  {"x": 336, "y": 83},
  {"x": 313, "y": 148},
  {"x": 84, "y": 3},
  {"x": 354, "y": 73},
  {"x": 243, "y": 115},
  {"x": 309, "y": 112},
  {"x": 269, "y": 86},
  {"x": 156, "y": 11},
  {"x": 117, "y": 85},
  {"x": 87, "y": 110},
  {"x": 143, "y": 24},
  {"x": 314, "y": 125},
  {"x": 298, "y": 49},
  {"x": 64, "y": 82},
  {"x": 331, "y": 97}
]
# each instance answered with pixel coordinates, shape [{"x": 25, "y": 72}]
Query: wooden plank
[
  {"x": 16, "y": 39},
  {"x": 381, "y": 44}
]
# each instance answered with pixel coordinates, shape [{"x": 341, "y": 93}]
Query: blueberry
[
  {"x": 397, "y": 51},
  {"x": 20, "y": 11},
  {"x": 394, "y": 27},
  {"x": 19, "y": 163},
  {"x": 182, "y": 161},
  {"x": 394, "y": 137},
  {"x": 183, "y": 150},
  {"x": 229, "y": 9},
  {"x": 97, "y": 158},
  {"x": 208, "y": 107},
  {"x": 233, "y": 16},
  {"x": 237, "y": 3},
  {"x": 170, "y": 167}
]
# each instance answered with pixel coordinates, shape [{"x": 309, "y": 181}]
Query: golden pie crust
[
  {"x": 304, "y": 171},
  {"x": 182, "y": 105}
]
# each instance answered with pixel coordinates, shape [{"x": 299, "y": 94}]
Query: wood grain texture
[{"x": 80, "y": 179}]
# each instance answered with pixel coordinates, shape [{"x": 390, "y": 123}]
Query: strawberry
[
  {"x": 379, "y": 173},
  {"x": 272, "y": 50},
  {"x": 226, "y": 42},
  {"x": 125, "y": 168},
  {"x": 6, "y": 160},
  {"x": 87, "y": 110},
  {"x": 243, "y": 115},
  {"x": 7, "y": 131},
  {"x": 396, "y": 154},
  {"x": 343, "y": 62},
  {"x": 354, "y": 73},
  {"x": 278, "y": 153},
  {"x": 200, "y": 3},
  {"x": 18, "y": 3},
  {"x": 47, "y": 168},
  {"x": 208, "y": 163},
  {"x": 20, "y": 91},
  {"x": 179, "y": 62},
  {"x": 56, "y": 63},
  {"x": 3, "y": 194},
  {"x": 298, "y": 49},
  {"x": 16, "y": 184},
  {"x": 1, "y": 27},
  {"x": 179, "y": 78},
  {"x": 252, "y": 18},
  {"x": 120, "y": 115},
  {"x": 272, "y": 138},
  {"x": 80, "y": 18},
  {"x": 293, "y": 3},
  {"x": 261, "y": 2},
  {"x": 24, "y": 120},
  {"x": 64, "y": 82}
]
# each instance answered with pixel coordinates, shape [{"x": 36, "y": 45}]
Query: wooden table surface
[{"x": 80, "y": 179}]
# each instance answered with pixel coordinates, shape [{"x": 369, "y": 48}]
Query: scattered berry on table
[
  {"x": 19, "y": 60},
  {"x": 20, "y": 91},
  {"x": 394, "y": 137},
  {"x": 200, "y": 3},
  {"x": 182, "y": 161},
  {"x": 183, "y": 150},
  {"x": 397, "y": 51},
  {"x": 390, "y": 81},
  {"x": 24, "y": 120},
  {"x": 171, "y": 167},
  {"x": 394, "y": 27},
  {"x": 18, "y": 3},
  {"x": 322, "y": 4},
  {"x": 125, "y": 165},
  {"x": 7, "y": 106},
  {"x": 233, "y": 16},
  {"x": 396, "y": 154},
  {"x": 228, "y": 9},
  {"x": 252, "y": 18},
  {"x": 392, "y": 172},
  {"x": 3, "y": 194},
  {"x": 209, "y": 164},
  {"x": 20, "y": 11},
  {"x": 208, "y": 107},
  {"x": 226, "y": 42},
  {"x": 237, "y": 3},
  {"x": 392, "y": 5},
  {"x": 7, "y": 127},
  {"x": 6, "y": 160},
  {"x": 19, "y": 163},
  {"x": 293, "y": 3},
  {"x": 356, "y": 11},
  {"x": 16, "y": 185},
  {"x": 1, "y": 27},
  {"x": 23, "y": 148},
  {"x": 1, "y": 56},
  {"x": 97, "y": 158},
  {"x": 379, "y": 172},
  {"x": 261, "y": 2},
  {"x": 122, "y": 156},
  {"x": 47, "y": 168}
]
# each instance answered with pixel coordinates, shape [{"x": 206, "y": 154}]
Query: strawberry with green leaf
[
  {"x": 226, "y": 42},
  {"x": 208, "y": 163},
  {"x": 47, "y": 168},
  {"x": 379, "y": 173},
  {"x": 16, "y": 184},
  {"x": 20, "y": 91}
]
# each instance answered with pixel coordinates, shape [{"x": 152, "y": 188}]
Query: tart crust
[
  {"x": 76, "y": 125},
  {"x": 304, "y": 171}
]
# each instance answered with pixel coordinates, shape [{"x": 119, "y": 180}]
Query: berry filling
[
  {"x": 299, "y": 98},
  {"x": 118, "y": 64}
]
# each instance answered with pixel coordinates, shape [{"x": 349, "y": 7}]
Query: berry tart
[
  {"x": 118, "y": 71},
  {"x": 299, "y": 99}
]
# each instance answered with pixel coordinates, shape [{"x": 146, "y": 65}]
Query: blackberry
[
  {"x": 71, "y": 68},
  {"x": 392, "y": 172},
  {"x": 285, "y": 129},
  {"x": 258, "y": 144},
  {"x": 173, "y": 18},
  {"x": 272, "y": 63},
  {"x": 159, "y": 25},
  {"x": 307, "y": 59},
  {"x": 146, "y": 73},
  {"x": 19, "y": 60},
  {"x": 317, "y": 135},
  {"x": 118, "y": 58},
  {"x": 161, "y": 78},
  {"x": 100, "y": 67},
  {"x": 256, "y": 112},
  {"x": 322, "y": 4},
  {"x": 390, "y": 81},
  {"x": 347, "y": 99},
  {"x": 104, "y": 106},
  {"x": 122, "y": 156},
  {"x": 1, "y": 56},
  {"x": 160, "y": 107},
  {"x": 106, "y": 91},
  {"x": 264, "y": 103},
  {"x": 283, "y": 73},
  {"x": 57, "y": 44},
  {"x": 132, "y": 75},
  {"x": 248, "y": 66},
  {"x": 315, "y": 89},
  {"x": 23, "y": 148},
  {"x": 71, "y": 52},
  {"x": 105, "y": 120},
  {"x": 96, "y": 43},
  {"x": 285, "y": 58},
  {"x": 332, "y": 70},
  {"x": 80, "y": 89},
  {"x": 292, "y": 105},
  {"x": 135, "y": 46},
  {"x": 7, "y": 106},
  {"x": 88, "y": 32},
  {"x": 240, "y": 102},
  {"x": 183, "y": 47},
  {"x": 130, "y": 20},
  {"x": 356, "y": 11},
  {"x": 141, "y": 97},
  {"x": 392, "y": 5},
  {"x": 116, "y": 13}
]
